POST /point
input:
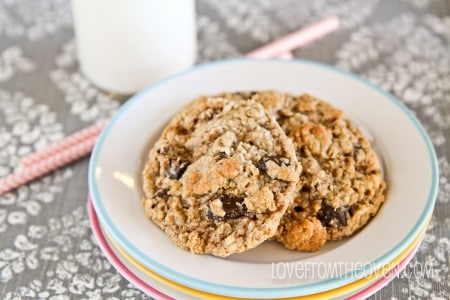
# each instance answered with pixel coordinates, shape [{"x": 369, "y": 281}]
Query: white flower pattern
[
  {"x": 12, "y": 61},
  {"x": 78, "y": 267},
  {"x": 48, "y": 250},
  {"x": 28, "y": 126},
  {"x": 86, "y": 101},
  {"x": 34, "y": 19}
]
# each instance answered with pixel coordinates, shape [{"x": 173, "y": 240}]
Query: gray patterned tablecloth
[{"x": 47, "y": 250}]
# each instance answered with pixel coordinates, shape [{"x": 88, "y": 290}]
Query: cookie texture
[
  {"x": 221, "y": 177},
  {"x": 341, "y": 185}
]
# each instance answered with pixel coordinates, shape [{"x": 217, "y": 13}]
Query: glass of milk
[{"x": 126, "y": 45}]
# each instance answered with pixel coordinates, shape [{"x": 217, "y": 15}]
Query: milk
[{"x": 126, "y": 45}]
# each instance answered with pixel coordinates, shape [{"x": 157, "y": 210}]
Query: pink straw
[
  {"x": 47, "y": 165},
  {"x": 296, "y": 39},
  {"x": 71, "y": 140},
  {"x": 285, "y": 55}
]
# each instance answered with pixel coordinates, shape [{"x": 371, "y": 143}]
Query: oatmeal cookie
[
  {"x": 341, "y": 185},
  {"x": 221, "y": 177}
]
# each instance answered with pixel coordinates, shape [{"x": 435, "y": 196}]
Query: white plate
[{"x": 269, "y": 270}]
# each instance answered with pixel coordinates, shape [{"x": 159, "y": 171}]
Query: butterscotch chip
[
  {"x": 341, "y": 185},
  {"x": 221, "y": 177}
]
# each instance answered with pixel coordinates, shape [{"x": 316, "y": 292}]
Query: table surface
[{"x": 46, "y": 245}]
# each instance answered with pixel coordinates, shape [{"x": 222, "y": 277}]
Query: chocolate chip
[
  {"x": 278, "y": 160},
  {"x": 245, "y": 95},
  {"x": 162, "y": 193},
  {"x": 262, "y": 163},
  {"x": 182, "y": 130},
  {"x": 177, "y": 167},
  {"x": 353, "y": 209},
  {"x": 298, "y": 208},
  {"x": 303, "y": 152},
  {"x": 333, "y": 217},
  {"x": 221, "y": 155},
  {"x": 164, "y": 150},
  {"x": 305, "y": 189},
  {"x": 233, "y": 206},
  {"x": 238, "y": 94}
]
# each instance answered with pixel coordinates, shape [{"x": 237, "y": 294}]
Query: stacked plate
[{"x": 353, "y": 267}]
